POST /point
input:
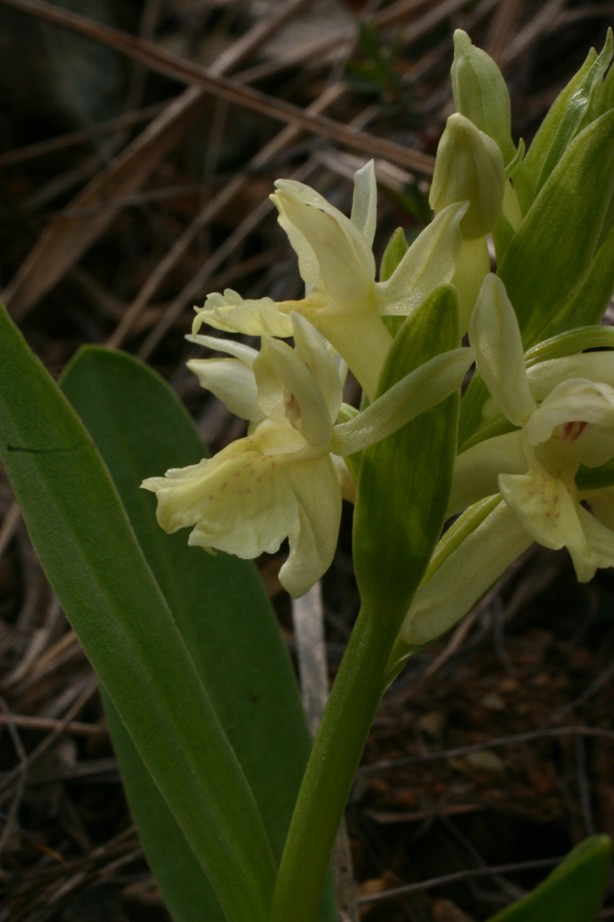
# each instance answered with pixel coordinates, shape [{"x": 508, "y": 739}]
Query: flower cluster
[
  {"x": 287, "y": 477},
  {"x": 536, "y": 459}
]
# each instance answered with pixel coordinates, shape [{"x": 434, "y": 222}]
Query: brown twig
[{"x": 171, "y": 65}]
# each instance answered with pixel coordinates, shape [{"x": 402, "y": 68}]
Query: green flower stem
[
  {"x": 337, "y": 749},
  {"x": 395, "y": 532}
]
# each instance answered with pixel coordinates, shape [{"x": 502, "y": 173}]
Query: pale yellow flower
[
  {"x": 287, "y": 476},
  {"x": 342, "y": 298}
]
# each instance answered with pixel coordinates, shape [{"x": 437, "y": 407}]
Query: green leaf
[
  {"x": 590, "y": 298},
  {"x": 218, "y": 603},
  {"x": 573, "y": 892},
  {"x": 185, "y": 887},
  {"x": 564, "y": 120},
  {"x": 545, "y": 264},
  {"x": 84, "y": 540},
  {"x": 572, "y": 342}
]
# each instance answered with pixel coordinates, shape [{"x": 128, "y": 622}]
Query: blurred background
[{"x": 139, "y": 142}]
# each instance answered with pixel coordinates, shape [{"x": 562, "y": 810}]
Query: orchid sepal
[
  {"x": 496, "y": 341},
  {"x": 429, "y": 262}
]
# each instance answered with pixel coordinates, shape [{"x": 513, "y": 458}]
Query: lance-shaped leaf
[
  {"x": 566, "y": 117},
  {"x": 83, "y": 537},
  {"x": 589, "y": 299},
  {"x": 573, "y": 892},
  {"x": 472, "y": 555},
  {"x": 220, "y": 608},
  {"x": 547, "y": 260}
]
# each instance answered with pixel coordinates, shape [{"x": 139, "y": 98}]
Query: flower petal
[
  {"x": 230, "y": 312},
  {"x": 318, "y": 230},
  {"x": 601, "y": 503},
  {"x": 576, "y": 400},
  {"x": 323, "y": 362},
  {"x": 600, "y": 541},
  {"x": 232, "y": 382},
  {"x": 282, "y": 376},
  {"x": 495, "y": 338},
  {"x": 362, "y": 340},
  {"x": 476, "y": 470},
  {"x": 314, "y": 534},
  {"x": 429, "y": 262},
  {"x": 364, "y": 201},
  {"x": 237, "y": 350},
  {"x": 591, "y": 366},
  {"x": 597, "y": 444},
  {"x": 546, "y": 509},
  {"x": 240, "y": 501}
]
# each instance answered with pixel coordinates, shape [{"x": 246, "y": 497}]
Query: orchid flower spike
[
  {"x": 342, "y": 298},
  {"x": 287, "y": 476}
]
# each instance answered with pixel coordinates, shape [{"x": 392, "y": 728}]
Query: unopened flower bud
[
  {"x": 469, "y": 168},
  {"x": 481, "y": 94}
]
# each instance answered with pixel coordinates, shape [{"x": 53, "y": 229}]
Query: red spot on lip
[{"x": 573, "y": 430}]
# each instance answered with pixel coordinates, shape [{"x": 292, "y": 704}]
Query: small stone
[
  {"x": 432, "y": 724},
  {"x": 493, "y": 702},
  {"x": 481, "y": 766}
]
